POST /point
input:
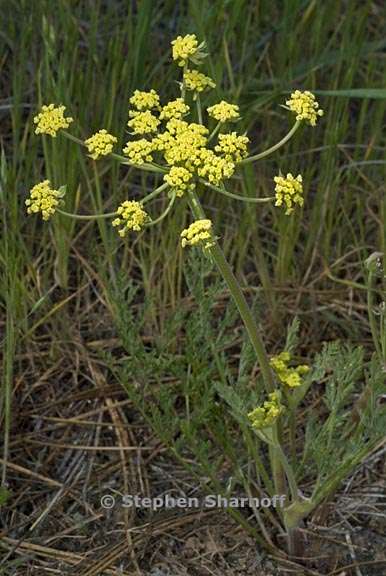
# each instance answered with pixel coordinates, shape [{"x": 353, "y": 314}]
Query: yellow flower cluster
[
  {"x": 291, "y": 377},
  {"x": 100, "y": 144},
  {"x": 233, "y": 147},
  {"x": 144, "y": 100},
  {"x": 211, "y": 167},
  {"x": 131, "y": 216},
  {"x": 223, "y": 111},
  {"x": 143, "y": 122},
  {"x": 183, "y": 48},
  {"x": 266, "y": 415},
  {"x": 289, "y": 191},
  {"x": 139, "y": 151},
  {"x": 185, "y": 149},
  {"x": 199, "y": 232},
  {"x": 43, "y": 199},
  {"x": 304, "y": 105},
  {"x": 51, "y": 119},
  {"x": 179, "y": 179},
  {"x": 197, "y": 82},
  {"x": 181, "y": 141},
  {"x": 174, "y": 109}
]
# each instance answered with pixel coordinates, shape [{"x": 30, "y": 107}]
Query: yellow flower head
[
  {"x": 43, "y": 199},
  {"x": 184, "y": 48},
  {"x": 304, "y": 105},
  {"x": 174, "y": 109},
  {"x": 211, "y": 167},
  {"x": 198, "y": 233},
  {"x": 176, "y": 126},
  {"x": 100, "y": 144},
  {"x": 223, "y": 111},
  {"x": 181, "y": 141},
  {"x": 143, "y": 122},
  {"x": 144, "y": 100},
  {"x": 291, "y": 377},
  {"x": 179, "y": 179},
  {"x": 131, "y": 216},
  {"x": 197, "y": 82},
  {"x": 139, "y": 151},
  {"x": 51, "y": 119},
  {"x": 233, "y": 147},
  {"x": 289, "y": 191},
  {"x": 266, "y": 415},
  {"x": 280, "y": 362}
]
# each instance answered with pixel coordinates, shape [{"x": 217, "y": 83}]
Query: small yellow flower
[
  {"x": 280, "y": 362},
  {"x": 289, "y": 191},
  {"x": 266, "y": 415},
  {"x": 179, "y": 179},
  {"x": 131, "y": 216},
  {"x": 144, "y": 100},
  {"x": 174, "y": 109},
  {"x": 139, "y": 151},
  {"x": 176, "y": 126},
  {"x": 212, "y": 168},
  {"x": 100, "y": 144},
  {"x": 51, "y": 119},
  {"x": 198, "y": 233},
  {"x": 291, "y": 377},
  {"x": 181, "y": 141},
  {"x": 223, "y": 111},
  {"x": 304, "y": 105},
  {"x": 233, "y": 147},
  {"x": 184, "y": 48},
  {"x": 43, "y": 199},
  {"x": 143, "y": 122},
  {"x": 197, "y": 82}
]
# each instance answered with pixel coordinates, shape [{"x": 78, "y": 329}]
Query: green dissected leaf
[{"x": 292, "y": 335}]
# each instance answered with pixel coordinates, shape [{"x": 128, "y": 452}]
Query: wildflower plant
[{"x": 192, "y": 148}]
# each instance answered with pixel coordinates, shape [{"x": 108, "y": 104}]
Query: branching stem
[
  {"x": 273, "y": 148},
  {"x": 238, "y": 297}
]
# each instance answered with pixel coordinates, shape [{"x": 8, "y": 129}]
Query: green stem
[
  {"x": 165, "y": 213},
  {"x": 236, "y": 196},
  {"x": 183, "y": 89},
  {"x": 273, "y": 148},
  {"x": 214, "y": 132},
  {"x": 155, "y": 193},
  {"x": 291, "y": 425},
  {"x": 238, "y": 297},
  {"x": 370, "y": 308},
  {"x": 199, "y": 111},
  {"x": 150, "y": 196},
  {"x": 123, "y": 159},
  {"x": 86, "y": 216},
  {"x": 289, "y": 472}
]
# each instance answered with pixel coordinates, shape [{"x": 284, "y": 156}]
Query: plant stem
[
  {"x": 273, "y": 148},
  {"x": 199, "y": 110},
  {"x": 238, "y": 297},
  {"x": 155, "y": 193},
  {"x": 289, "y": 472},
  {"x": 164, "y": 213},
  {"x": 122, "y": 159},
  {"x": 236, "y": 196},
  {"x": 214, "y": 132},
  {"x": 291, "y": 426},
  {"x": 371, "y": 305},
  {"x": 86, "y": 216},
  {"x": 183, "y": 89}
]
